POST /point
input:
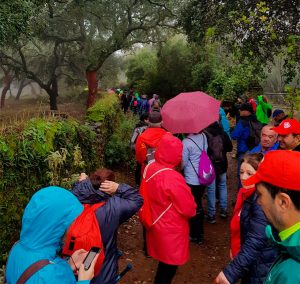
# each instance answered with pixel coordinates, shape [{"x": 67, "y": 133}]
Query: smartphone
[{"x": 90, "y": 257}]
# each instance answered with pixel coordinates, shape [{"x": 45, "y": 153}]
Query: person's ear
[{"x": 283, "y": 201}]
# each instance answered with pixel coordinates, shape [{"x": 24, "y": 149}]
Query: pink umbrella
[{"x": 190, "y": 112}]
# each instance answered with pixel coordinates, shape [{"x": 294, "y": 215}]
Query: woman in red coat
[{"x": 172, "y": 205}]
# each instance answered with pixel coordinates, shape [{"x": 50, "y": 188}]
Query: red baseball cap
[
  {"x": 287, "y": 126},
  {"x": 280, "y": 168}
]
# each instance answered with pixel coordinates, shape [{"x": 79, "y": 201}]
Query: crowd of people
[{"x": 169, "y": 192}]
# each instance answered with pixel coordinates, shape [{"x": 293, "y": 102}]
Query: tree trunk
[
  {"x": 91, "y": 77},
  {"x": 21, "y": 87},
  {"x": 6, "y": 82},
  {"x": 53, "y": 99}
]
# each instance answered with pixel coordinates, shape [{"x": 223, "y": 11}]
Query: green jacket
[
  {"x": 263, "y": 111},
  {"x": 286, "y": 269}
]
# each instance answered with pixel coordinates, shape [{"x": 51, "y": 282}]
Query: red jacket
[
  {"x": 168, "y": 239},
  {"x": 150, "y": 137}
]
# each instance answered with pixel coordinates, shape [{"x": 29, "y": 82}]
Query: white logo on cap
[{"x": 286, "y": 125}]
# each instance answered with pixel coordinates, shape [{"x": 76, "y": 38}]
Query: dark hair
[
  {"x": 253, "y": 159},
  {"x": 144, "y": 116},
  {"x": 100, "y": 175},
  {"x": 293, "y": 194}
]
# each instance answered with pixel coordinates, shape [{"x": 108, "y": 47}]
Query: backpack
[
  {"x": 215, "y": 147},
  {"x": 145, "y": 213},
  {"x": 135, "y": 102},
  {"x": 143, "y": 107},
  {"x": 206, "y": 172},
  {"x": 136, "y": 133},
  {"x": 254, "y": 136},
  {"x": 84, "y": 233}
]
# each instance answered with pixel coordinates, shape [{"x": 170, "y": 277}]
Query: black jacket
[{"x": 117, "y": 209}]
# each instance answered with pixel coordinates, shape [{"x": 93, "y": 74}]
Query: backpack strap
[
  {"x": 200, "y": 153},
  {"x": 32, "y": 269}
]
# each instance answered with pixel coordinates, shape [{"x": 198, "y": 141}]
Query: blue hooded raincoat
[{"x": 46, "y": 218}]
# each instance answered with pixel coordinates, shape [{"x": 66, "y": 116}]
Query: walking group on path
[{"x": 181, "y": 155}]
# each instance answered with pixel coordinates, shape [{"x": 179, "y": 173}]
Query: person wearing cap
[
  {"x": 278, "y": 116},
  {"x": 278, "y": 188},
  {"x": 289, "y": 134},
  {"x": 268, "y": 140}
]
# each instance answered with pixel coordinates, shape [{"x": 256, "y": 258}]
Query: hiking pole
[{"x": 123, "y": 272}]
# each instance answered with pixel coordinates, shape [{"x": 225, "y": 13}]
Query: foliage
[
  {"x": 117, "y": 151},
  {"x": 15, "y": 17},
  {"x": 142, "y": 69},
  {"x": 45, "y": 152},
  {"x": 72, "y": 37},
  {"x": 292, "y": 98},
  {"x": 102, "y": 109},
  {"x": 253, "y": 29}
]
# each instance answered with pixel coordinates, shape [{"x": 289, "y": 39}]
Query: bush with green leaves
[
  {"x": 117, "y": 151},
  {"x": 45, "y": 152}
]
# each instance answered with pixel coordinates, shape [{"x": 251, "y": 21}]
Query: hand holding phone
[{"x": 86, "y": 270}]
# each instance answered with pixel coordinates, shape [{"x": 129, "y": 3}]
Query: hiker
[
  {"x": 289, "y": 134},
  {"x": 148, "y": 140},
  {"x": 143, "y": 105},
  {"x": 268, "y": 140},
  {"x": 140, "y": 127},
  {"x": 263, "y": 110},
  {"x": 278, "y": 116},
  {"x": 250, "y": 252},
  {"x": 155, "y": 103},
  {"x": 46, "y": 218},
  {"x": 172, "y": 205},
  {"x": 121, "y": 202},
  {"x": 278, "y": 188},
  {"x": 242, "y": 132},
  {"x": 224, "y": 122},
  {"x": 193, "y": 145},
  {"x": 219, "y": 144},
  {"x": 134, "y": 103}
]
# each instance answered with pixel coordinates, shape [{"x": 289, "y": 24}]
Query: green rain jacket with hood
[{"x": 286, "y": 269}]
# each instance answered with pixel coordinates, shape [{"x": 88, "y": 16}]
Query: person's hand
[
  {"x": 76, "y": 259},
  {"x": 221, "y": 279},
  {"x": 109, "y": 187},
  {"x": 83, "y": 176},
  {"x": 87, "y": 274}
]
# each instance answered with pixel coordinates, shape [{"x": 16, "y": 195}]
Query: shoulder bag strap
[
  {"x": 200, "y": 150},
  {"x": 170, "y": 205},
  {"x": 33, "y": 268}
]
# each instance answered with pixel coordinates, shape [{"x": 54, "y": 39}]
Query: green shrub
[
  {"x": 45, "y": 152},
  {"x": 117, "y": 151}
]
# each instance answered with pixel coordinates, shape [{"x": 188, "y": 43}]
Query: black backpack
[
  {"x": 215, "y": 149},
  {"x": 254, "y": 137}
]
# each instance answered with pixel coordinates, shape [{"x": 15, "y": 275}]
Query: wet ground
[{"x": 206, "y": 260}]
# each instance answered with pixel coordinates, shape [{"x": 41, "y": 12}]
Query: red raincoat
[
  {"x": 150, "y": 137},
  {"x": 168, "y": 239}
]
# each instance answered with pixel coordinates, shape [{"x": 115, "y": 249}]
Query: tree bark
[
  {"x": 53, "y": 98},
  {"x": 21, "y": 87},
  {"x": 6, "y": 82},
  {"x": 91, "y": 77}
]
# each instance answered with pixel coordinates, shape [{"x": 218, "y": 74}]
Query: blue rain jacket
[{"x": 46, "y": 218}]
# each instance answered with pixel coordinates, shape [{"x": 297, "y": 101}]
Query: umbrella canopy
[{"x": 190, "y": 112}]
